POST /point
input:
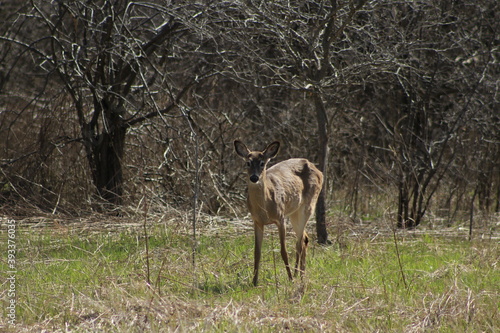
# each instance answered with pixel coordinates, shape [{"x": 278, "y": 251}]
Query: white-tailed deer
[{"x": 287, "y": 189}]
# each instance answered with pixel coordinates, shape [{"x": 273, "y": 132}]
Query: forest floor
[{"x": 135, "y": 274}]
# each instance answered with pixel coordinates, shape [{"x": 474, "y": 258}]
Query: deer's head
[{"x": 256, "y": 161}]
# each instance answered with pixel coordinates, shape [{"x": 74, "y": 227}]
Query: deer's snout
[{"x": 254, "y": 178}]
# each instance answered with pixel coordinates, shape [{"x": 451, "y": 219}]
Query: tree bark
[
  {"x": 105, "y": 153},
  {"x": 322, "y": 166},
  {"x": 107, "y": 171}
]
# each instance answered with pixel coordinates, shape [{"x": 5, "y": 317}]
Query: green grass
[{"x": 71, "y": 279}]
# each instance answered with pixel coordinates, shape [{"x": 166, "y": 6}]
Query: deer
[{"x": 287, "y": 189}]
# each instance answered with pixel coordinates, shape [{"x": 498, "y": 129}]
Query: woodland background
[{"x": 106, "y": 103}]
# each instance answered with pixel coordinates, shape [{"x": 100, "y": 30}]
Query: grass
[{"x": 95, "y": 279}]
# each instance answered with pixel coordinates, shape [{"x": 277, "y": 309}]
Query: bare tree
[
  {"x": 105, "y": 55},
  {"x": 430, "y": 105},
  {"x": 289, "y": 45},
  {"x": 387, "y": 97}
]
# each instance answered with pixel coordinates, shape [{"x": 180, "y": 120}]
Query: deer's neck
[
  {"x": 259, "y": 192},
  {"x": 261, "y": 203}
]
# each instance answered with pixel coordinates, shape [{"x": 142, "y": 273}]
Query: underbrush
[{"x": 134, "y": 279}]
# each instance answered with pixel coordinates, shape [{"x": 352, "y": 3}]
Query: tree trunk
[
  {"x": 105, "y": 153},
  {"x": 108, "y": 174},
  {"x": 322, "y": 166}
]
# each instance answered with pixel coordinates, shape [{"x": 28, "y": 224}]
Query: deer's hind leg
[
  {"x": 299, "y": 220},
  {"x": 284, "y": 254}
]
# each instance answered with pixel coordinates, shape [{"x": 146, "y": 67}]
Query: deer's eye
[
  {"x": 262, "y": 164},
  {"x": 249, "y": 163}
]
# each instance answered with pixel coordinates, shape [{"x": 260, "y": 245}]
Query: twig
[
  {"x": 275, "y": 269},
  {"x": 148, "y": 280},
  {"x": 471, "y": 218},
  {"x": 195, "y": 196},
  {"x": 399, "y": 259}
]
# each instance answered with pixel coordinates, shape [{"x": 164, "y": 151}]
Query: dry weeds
[{"x": 361, "y": 298}]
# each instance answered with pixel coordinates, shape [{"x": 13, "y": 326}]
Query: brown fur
[{"x": 287, "y": 189}]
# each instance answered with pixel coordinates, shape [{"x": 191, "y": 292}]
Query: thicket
[{"x": 105, "y": 103}]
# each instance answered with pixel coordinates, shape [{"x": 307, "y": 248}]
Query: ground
[{"x": 102, "y": 273}]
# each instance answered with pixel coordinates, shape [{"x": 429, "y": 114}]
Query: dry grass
[{"x": 92, "y": 276}]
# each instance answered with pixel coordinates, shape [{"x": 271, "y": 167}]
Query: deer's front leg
[{"x": 259, "y": 235}]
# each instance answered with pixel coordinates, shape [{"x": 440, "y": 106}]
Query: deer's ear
[
  {"x": 271, "y": 150},
  {"x": 241, "y": 149}
]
